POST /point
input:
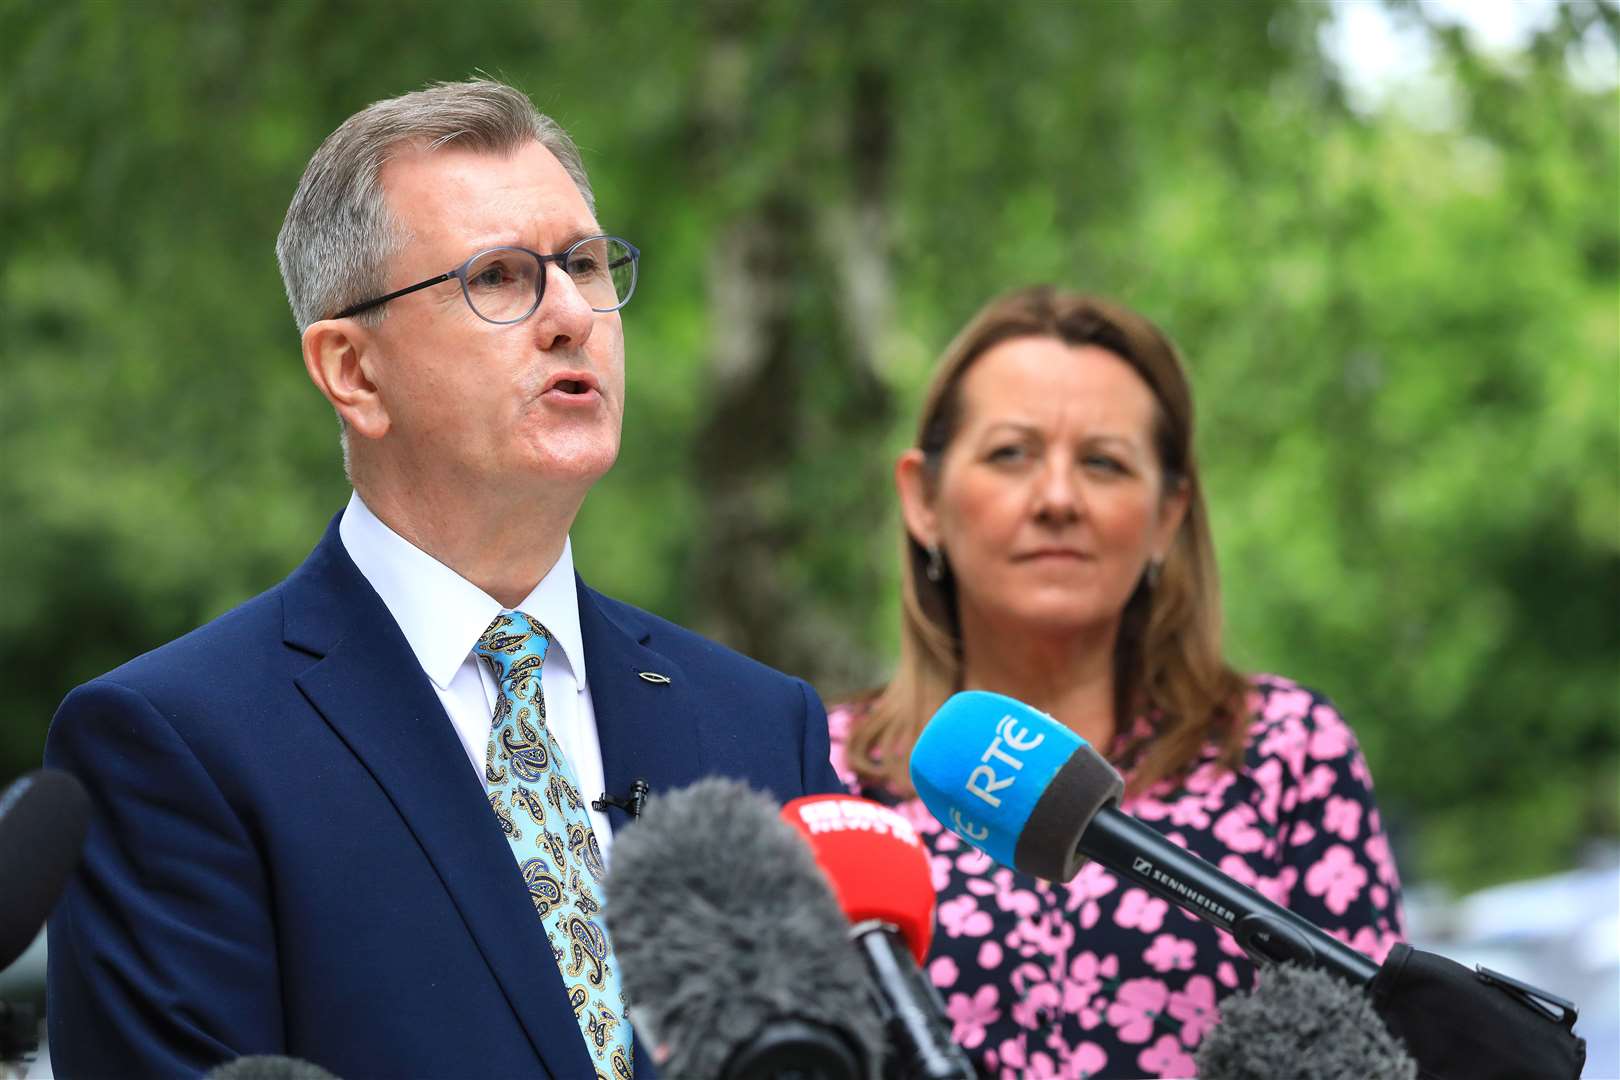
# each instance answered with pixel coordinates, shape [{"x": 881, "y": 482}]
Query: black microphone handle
[
  {"x": 1268, "y": 932},
  {"x": 914, "y": 1015},
  {"x": 800, "y": 1049}
]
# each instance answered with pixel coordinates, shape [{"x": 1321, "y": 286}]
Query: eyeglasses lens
[
  {"x": 503, "y": 285},
  {"x": 604, "y": 271}
]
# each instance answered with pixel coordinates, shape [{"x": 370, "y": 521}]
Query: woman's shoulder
[
  {"x": 1297, "y": 727},
  {"x": 1273, "y": 696}
]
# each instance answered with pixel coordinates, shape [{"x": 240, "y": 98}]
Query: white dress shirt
[{"x": 442, "y": 615}]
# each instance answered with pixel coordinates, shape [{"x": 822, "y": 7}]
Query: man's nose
[{"x": 564, "y": 319}]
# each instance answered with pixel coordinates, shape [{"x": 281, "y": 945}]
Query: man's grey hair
[{"x": 339, "y": 234}]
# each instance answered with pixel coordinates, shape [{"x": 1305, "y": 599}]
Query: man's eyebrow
[
  {"x": 521, "y": 238},
  {"x": 575, "y": 235},
  {"x": 578, "y": 233}
]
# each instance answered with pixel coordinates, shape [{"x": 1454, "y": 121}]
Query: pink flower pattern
[
  {"x": 1098, "y": 978},
  {"x": 1041, "y": 1000},
  {"x": 1086, "y": 888},
  {"x": 1170, "y": 953},
  {"x": 1194, "y": 1005},
  {"x": 1337, "y": 879},
  {"x": 1167, "y": 1057},
  {"x": 1087, "y": 975},
  {"x": 1239, "y": 830},
  {"x": 1136, "y": 1006},
  {"x": 1084, "y": 1061},
  {"x": 972, "y": 1016},
  {"x": 1140, "y": 910},
  {"x": 1342, "y": 817},
  {"x": 962, "y": 916}
]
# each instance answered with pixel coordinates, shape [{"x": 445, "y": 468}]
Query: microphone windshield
[
  {"x": 726, "y": 929},
  {"x": 43, "y": 817},
  {"x": 1302, "y": 1023},
  {"x": 268, "y": 1067},
  {"x": 874, "y": 860},
  {"x": 1012, "y": 781}
]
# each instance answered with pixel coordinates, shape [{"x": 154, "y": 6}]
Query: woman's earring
[
  {"x": 1154, "y": 566},
  {"x": 935, "y": 570}
]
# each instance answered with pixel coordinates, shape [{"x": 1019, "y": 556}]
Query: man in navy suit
[{"x": 293, "y": 849}]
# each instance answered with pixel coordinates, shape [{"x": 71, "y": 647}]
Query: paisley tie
[{"x": 537, "y": 800}]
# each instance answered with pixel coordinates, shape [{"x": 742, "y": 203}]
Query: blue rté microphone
[
  {"x": 1012, "y": 782},
  {"x": 1033, "y": 795}
]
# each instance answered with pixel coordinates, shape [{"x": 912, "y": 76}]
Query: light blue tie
[{"x": 537, "y": 800}]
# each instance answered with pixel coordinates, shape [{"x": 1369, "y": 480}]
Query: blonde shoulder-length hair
[{"x": 1168, "y": 664}]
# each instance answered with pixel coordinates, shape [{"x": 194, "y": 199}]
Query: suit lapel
[
  {"x": 647, "y": 726},
  {"x": 646, "y": 714},
  {"x": 369, "y": 687}
]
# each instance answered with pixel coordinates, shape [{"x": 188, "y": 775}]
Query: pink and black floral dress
[{"x": 1093, "y": 978}]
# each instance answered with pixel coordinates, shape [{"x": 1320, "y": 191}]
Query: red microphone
[
  {"x": 879, "y": 871},
  {"x": 877, "y": 865}
]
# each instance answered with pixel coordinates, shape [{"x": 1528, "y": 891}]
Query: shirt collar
[{"x": 441, "y": 613}]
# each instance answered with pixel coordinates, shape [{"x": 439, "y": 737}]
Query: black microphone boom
[
  {"x": 1268, "y": 932},
  {"x": 1456, "y": 1023},
  {"x": 1065, "y": 807}
]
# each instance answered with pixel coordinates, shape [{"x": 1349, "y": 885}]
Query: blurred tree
[{"x": 1404, "y": 334}]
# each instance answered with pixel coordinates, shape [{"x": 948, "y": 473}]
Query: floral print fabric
[{"x": 1097, "y": 978}]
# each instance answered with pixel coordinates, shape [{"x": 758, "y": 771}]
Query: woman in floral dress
[{"x": 1057, "y": 550}]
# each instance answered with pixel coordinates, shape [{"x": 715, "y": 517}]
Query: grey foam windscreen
[
  {"x": 723, "y": 925},
  {"x": 268, "y": 1067},
  {"x": 43, "y": 818},
  {"x": 1305, "y": 1024},
  {"x": 1049, "y": 845}
]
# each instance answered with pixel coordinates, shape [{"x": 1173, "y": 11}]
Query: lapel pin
[{"x": 654, "y": 677}]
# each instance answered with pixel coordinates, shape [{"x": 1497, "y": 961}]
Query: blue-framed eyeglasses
[{"x": 505, "y": 284}]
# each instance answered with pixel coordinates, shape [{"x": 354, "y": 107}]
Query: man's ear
[
  {"x": 911, "y": 480},
  {"x": 338, "y": 354}
]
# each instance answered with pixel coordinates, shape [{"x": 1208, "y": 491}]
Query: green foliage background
[{"x": 1404, "y": 336}]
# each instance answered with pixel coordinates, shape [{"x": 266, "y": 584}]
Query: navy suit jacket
[{"x": 290, "y": 853}]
